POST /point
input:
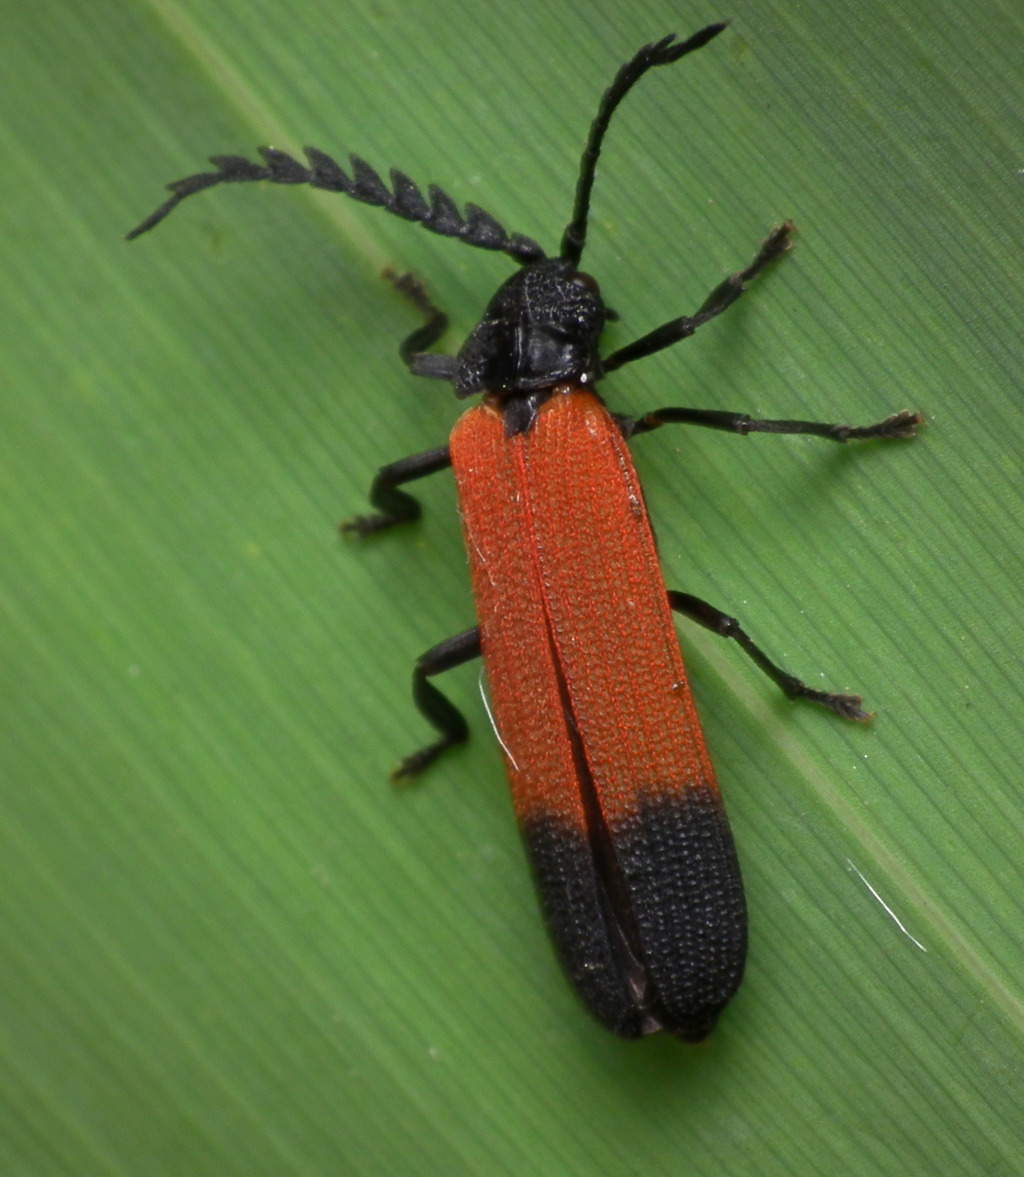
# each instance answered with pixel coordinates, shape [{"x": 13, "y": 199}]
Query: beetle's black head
[{"x": 542, "y": 328}]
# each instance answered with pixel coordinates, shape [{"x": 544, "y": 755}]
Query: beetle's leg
[
  {"x": 433, "y": 706},
  {"x": 899, "y": 425},
  {"x": 394, "y": 505},
  {"x": 413, "y": 349},
  {"x": 847, "y": 706},
  {"x": 722, "y": 297}
]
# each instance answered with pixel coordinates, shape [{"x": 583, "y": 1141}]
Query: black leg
[
  {"x": 722, "y": 297},
  {"x": 413, "y": 349},
  {"x": 433, "y": 706},
  {"x": 394, "y": 505},
  {"x": 848, "y": 706},
  {"x": 899, "y": 425}
]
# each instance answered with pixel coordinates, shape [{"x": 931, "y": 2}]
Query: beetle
[{"x": 614, "y": 791}]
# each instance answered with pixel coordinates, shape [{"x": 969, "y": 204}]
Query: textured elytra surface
[
  {"x": 610, "y": 777},
  {"x": 680, "y": 873},
  {"x": 679, "y": 864},
  {"x": 577, "y": 912}
]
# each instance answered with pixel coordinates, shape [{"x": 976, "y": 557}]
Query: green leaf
[{"x": 229, "y": 946}]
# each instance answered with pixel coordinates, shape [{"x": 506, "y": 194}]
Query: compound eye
[{"x": 588, "y": 283}]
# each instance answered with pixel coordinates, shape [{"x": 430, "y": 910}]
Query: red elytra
[{"x": 602, "y": 743}]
